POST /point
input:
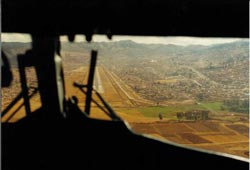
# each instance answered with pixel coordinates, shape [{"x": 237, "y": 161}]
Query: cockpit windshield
[{"x": 189, "y": 90}]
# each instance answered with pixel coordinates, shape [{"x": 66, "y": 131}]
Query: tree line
[{"x": 236, "y": 105}]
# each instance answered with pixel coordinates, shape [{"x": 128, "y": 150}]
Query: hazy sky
[{"x": 139, "y": 39}]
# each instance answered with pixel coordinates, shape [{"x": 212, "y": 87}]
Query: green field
[
  {"x": 170, "y": 111},
  {"x": 212, "y": 106}
]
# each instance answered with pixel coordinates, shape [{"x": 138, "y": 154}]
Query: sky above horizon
[{"x": 180, "y": 40}]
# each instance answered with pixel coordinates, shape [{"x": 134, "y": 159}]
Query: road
[{"x": 202, "y": 76}]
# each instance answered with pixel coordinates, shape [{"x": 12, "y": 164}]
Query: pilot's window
[
  {"x": 192, "y": 91},
  {"x": 15, "y": 46}
]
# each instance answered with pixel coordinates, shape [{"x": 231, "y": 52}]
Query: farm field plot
[
  {"x": 224, "y": 140},
  {"x": 194, "y": 138},
  {"x": 172, "y": 128},
  {"x": 241, "y": 129},
  {"x": 200, "y": 127}
]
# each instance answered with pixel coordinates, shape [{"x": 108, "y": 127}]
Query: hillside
[{"x": 164, "y": 73}]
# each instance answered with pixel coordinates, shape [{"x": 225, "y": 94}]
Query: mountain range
[{"x": 131, "y": 49}]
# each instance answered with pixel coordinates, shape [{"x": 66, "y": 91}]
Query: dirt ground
[{"x": 220, "y": 136}]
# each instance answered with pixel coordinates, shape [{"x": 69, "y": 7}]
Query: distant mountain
[
  {"x": 131, "y": 49},
  {"x": 238, "y": 49}
]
